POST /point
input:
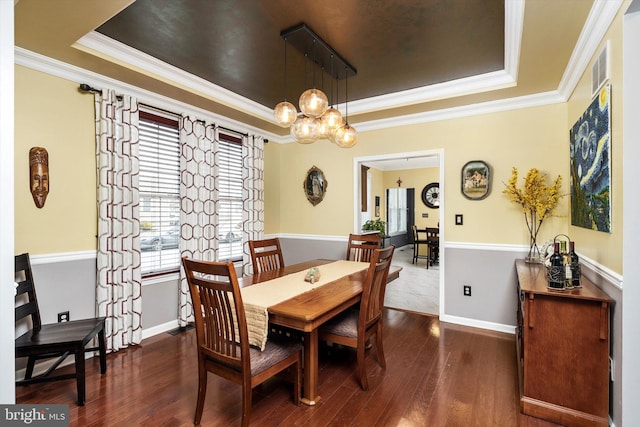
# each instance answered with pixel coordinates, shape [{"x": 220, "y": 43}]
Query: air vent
[{"x": 600, "y": 70}]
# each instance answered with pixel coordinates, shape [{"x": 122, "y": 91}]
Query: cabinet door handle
[
  {"x": 530, "y": 310},
  {"x": 604, "y": 321}
]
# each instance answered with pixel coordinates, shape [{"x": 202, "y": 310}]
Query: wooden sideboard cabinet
[{"x": 563, "y": 350}]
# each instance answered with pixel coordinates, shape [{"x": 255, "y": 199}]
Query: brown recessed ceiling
[{"x": 394, "y": 45}]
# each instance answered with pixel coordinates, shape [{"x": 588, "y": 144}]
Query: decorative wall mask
[{"x": 39, "y": 175}]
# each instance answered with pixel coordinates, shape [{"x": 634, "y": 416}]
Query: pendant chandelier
[{"x": 318, "y": 118}]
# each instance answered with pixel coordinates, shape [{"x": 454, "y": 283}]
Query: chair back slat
[
  {"x": 266, "y": 255},
  {"x": 24, "y": 278},
  {"x": 361, "y": 246},
  {"x": 374, "y": 287},
  {"x": 221, "y": 326}
]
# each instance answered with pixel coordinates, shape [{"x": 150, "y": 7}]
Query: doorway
[{"x": 419, "y": 289}]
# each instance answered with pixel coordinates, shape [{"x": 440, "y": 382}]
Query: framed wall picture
[
  {"x": 315, "y": 185},
  {"x": 476, "y": 180}
]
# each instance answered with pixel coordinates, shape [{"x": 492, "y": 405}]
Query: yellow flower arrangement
[{"x": 537, "y": 200}]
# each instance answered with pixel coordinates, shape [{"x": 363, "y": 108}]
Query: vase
[{"x": 534, "y": 255}]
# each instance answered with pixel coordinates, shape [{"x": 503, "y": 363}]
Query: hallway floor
[{"x": 418, "y": 288}]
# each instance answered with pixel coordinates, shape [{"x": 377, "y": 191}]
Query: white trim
[
  {"x": 112, "y": 50},
  {"x": 605, "y": 273},
  {"x": 486, "y": 246},
  {"x": 164, "y": 278},
  {"x": 499, "y": 327},
  {"x": 7, "y": 233},
  {"x": 513, "y": 24},
  {"x": 62, "y": 257},
  {"x": 600, "y": 18},
  {"x": 311, "y": 237},
  {"x": 159, "y": 329},
  {"x": 536, "y": 100}
]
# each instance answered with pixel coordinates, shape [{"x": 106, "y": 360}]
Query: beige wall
[
  {"x": 604, "y": 248},
  {"x": 525, "y": 138},
  {"x": 51, "y": 113}
]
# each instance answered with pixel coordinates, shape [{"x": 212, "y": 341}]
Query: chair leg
[
  {"x": 415, "y": 253},
  {"x": 297, "y": 382},
  {"x": 202, "y": 392},
  {"x": 362, "y": 371},
  {"x": 103, "y": 352},
  {"x": 80, "y": 378},
  {"x": 379, "y": 348},
  {"x": 246, "y": 404},
  {"x": 31, "y": 363}
]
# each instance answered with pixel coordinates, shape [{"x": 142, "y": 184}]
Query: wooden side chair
[
  {"x": 56, "y": 340},
  {"x": 360, "y": 247},
  {"x": 225, "y": 351},
  {"x": 266, "y": 255},
  {"x": 355, "y": 326},
  {"x": 433, "y": 242},
  {"x": 420, "y": 237}
]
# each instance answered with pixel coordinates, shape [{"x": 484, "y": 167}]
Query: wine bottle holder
[{"x": 556, "y": 274}]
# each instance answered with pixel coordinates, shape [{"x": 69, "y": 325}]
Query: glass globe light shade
[
  {"x": 345, "y": 136},
  {"x": 305, "y": 129},
  {"x": 329, "y": 122},
  {"x": 285, "y": 113},
  {"x": 313, "y": 102}
]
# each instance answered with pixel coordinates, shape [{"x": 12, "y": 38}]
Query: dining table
[{"x": 307, "y": 311}]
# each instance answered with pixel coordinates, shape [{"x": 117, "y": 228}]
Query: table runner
[{"x": 259, "y": 297}]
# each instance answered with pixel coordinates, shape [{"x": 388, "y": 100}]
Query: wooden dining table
[{"x": 307, "y": 311}]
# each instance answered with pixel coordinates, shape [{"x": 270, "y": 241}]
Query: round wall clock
[{"x": 431, "y": 195}]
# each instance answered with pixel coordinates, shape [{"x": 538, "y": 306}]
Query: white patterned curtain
[
  {"x": 118, "y": 292},
  {"x": 253, "y": 195},
  {"x": 198, "y": 199}
]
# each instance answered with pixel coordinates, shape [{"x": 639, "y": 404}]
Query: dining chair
[
  {"x": 360, "y": 247},
  {"x": 433, "y": 243},
  {"x": 55, "y": 340},
  {"x": 355, "y": 326},
  {"x": 420, "y": 238},
  {"x": 222, "y": 337},
  {"x": 266, "y": 255}
]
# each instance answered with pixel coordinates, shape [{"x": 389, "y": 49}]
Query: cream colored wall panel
[
  {"x": 50, "y": 112},
  {"x": 525, "y": 138}
]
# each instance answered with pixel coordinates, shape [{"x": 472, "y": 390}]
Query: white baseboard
[
  {"x": 498, "y": 327},
  {"x": 159, "y": 329}
]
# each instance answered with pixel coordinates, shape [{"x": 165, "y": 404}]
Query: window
[
  {"x": 397, "y": 211},
  {"x": 230, "y": 203},
  {"x": 159, "y": 182}
]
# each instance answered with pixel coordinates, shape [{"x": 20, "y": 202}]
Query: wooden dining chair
[
  {"x": 433, "y": 243},
  {"x": 224, "y": 349},
  {"x": 355, "y": 326},
  {"x": 360, "y": 247},
  {"x": 266, "y": 255},
  {"x": 420, "y": 238},
  {"x": 55, "y": 340}
]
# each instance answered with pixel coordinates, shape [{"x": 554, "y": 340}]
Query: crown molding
[
  {"x": 539, "y": 99},
  {"x": 597, "y": 24}
]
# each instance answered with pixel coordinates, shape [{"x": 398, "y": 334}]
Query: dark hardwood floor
[{"x": 437, "y": 374}]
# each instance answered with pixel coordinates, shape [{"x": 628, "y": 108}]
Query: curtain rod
[{"x": 87, "y": 88}]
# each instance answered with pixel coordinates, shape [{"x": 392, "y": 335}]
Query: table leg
[{"x": 310, "y": 387}]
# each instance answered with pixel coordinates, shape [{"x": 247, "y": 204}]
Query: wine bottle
[
  {"x": 556, "y": 271},
  {"x": 575, "y": 265}
]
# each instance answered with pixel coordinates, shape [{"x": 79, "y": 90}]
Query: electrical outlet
[
  {"x": 467, "y": 290},
  {"x": 63, "y": 316}
]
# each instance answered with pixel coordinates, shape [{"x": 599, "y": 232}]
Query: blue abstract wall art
[{"x": 590, "y": 145}]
